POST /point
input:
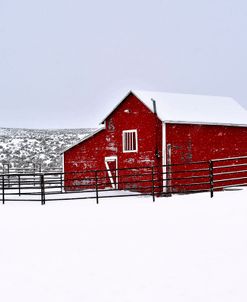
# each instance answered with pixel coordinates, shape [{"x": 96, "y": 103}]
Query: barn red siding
[
  {"x": 146, "y": 123},
  {"x": 130, "y": 114},
  {"x": 192, "y": 143},
  {"x": 189, "y": 143}
]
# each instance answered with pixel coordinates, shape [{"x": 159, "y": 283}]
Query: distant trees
[{"x": 22, "y": 147}]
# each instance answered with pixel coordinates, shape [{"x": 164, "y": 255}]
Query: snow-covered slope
[
  {"x": 179, "y": 249},
  {"x": 21, "y": 147}
]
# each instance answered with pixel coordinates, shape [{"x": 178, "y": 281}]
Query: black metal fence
[
  {"x": 155, "y": 181},
  {"x": 30, "y": 167}
]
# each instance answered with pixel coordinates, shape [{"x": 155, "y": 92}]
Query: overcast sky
[{"x": 64, "y": 64}]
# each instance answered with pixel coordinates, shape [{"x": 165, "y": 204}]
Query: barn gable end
[
  {"x": 182, "y": 131},
  {"x": 130, "y": 116}
]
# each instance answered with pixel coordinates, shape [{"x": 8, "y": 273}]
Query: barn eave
[
  {"x": 83, "y": 139},
  {"x": 205, "y": 123}
]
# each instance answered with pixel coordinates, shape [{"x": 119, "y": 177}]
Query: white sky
[{"x": 66, "y": 63}]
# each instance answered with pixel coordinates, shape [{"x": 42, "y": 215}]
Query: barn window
[{"x": 130, "y": 141}]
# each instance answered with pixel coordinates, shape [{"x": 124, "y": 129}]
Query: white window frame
[{"x": 123, "y": 140}]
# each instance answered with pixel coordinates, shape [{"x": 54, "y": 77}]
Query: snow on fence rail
[{"x": 201, "y": 176}]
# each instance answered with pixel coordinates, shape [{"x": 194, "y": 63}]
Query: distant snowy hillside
[{"x": 21, "y": 147}]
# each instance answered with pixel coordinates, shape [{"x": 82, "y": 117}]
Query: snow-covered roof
[{"x": 197, "y": 109}]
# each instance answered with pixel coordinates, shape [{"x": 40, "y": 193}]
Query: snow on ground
[{"x": 184, "y": 248}]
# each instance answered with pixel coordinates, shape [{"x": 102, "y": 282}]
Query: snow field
[{"x": 184, "y": 248}]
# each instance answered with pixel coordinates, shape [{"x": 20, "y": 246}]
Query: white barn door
[{"x": 111, "y": 165}]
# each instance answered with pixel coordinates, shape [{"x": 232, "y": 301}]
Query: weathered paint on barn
[
  {"x": 204, "y": 142},
  {"x": 91, "y": 153},
  {"x": 194, "y": 143},
  {"x": 187, "y": 142}
]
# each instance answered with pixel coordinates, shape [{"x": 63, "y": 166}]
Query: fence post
[
  {"x": 4, "y": 170},
  {"x": 61, "y": 182},
  {"x": 211, "y": 178},
  {"x": 153, "y": 193},
  {"x": 96, "y": 187},
  {"x": 34, "y": 170},
  {"x": 42, "y": 187},
  {"x": 169, "y": 171},
  {"x": 19, "y": 184},
  {"x": 3, "y": 197}
]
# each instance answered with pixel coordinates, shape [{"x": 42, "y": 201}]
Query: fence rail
[
  {"x": 12, "y": 168},
  {"x": 202, "y": 176}
]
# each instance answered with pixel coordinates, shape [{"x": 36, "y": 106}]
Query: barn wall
[
  {"x": 82, "y": 158},
  {"x": 192, "y": 143},
  {"x": 90, "y": 154},
  {"x": 149, "y": 132}
]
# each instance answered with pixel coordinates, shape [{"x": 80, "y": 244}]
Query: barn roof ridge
[
  {"x": 185, "y": 94},
  {"x": 191, "y": 108}
]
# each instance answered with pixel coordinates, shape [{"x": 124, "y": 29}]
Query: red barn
[{"x": 149, "y": 129}]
